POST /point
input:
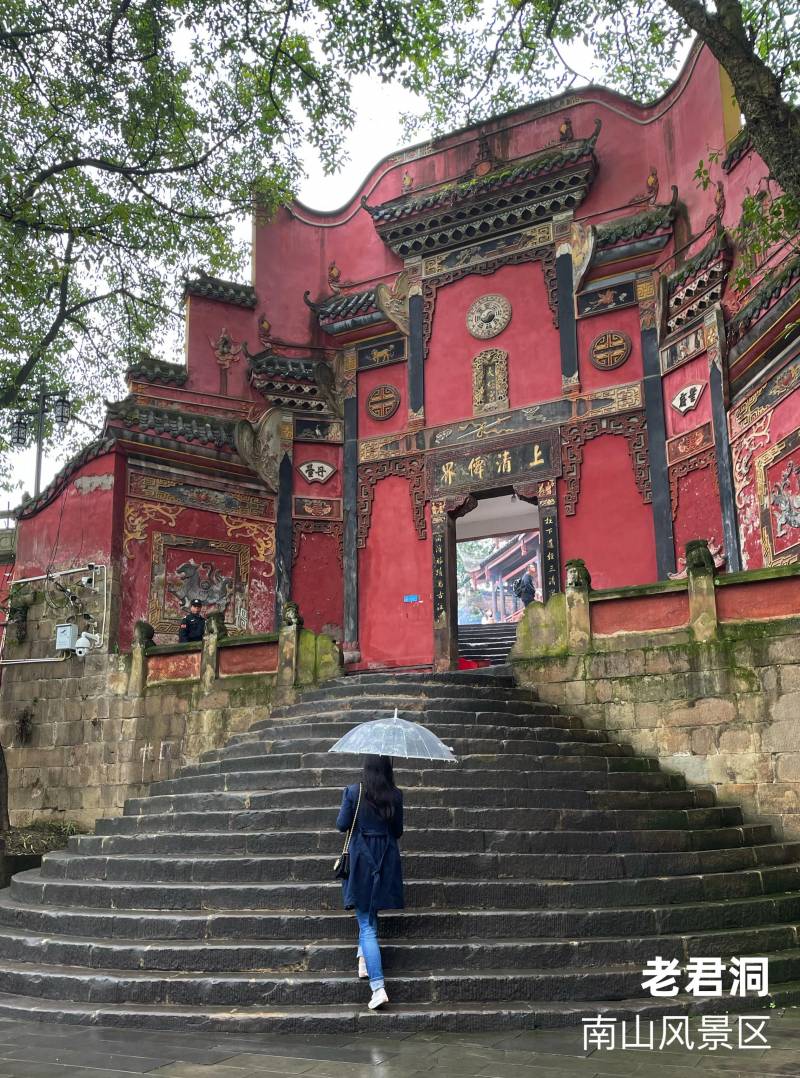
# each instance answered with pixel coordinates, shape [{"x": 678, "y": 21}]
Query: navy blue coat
[{"x": 376, "y": 878}]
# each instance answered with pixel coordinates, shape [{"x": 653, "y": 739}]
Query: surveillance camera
[
  {"x": 86, "y": 581},
  {"x": 85, "y": 643}
]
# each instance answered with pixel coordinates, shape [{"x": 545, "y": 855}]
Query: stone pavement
[{"x": 36, "y": 1050}]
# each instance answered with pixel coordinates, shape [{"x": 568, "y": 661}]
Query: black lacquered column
[
  {"x": 350, "y": 494},
  {"x": 656, "y": 429},
  {"x": 714, "y": 327}
]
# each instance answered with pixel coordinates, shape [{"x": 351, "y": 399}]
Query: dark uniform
[
  {"x": 527, "y": 589},
  {"x": 193, "y": 627}
]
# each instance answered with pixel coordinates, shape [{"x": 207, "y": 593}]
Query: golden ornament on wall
[
  {"x": 488, "y": 316},
  {"x": 609, "y": 350}
]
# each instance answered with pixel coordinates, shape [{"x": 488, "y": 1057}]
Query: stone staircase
[
  {"x": 492, "y": 642},
  {"x": 542, "y": 872}
]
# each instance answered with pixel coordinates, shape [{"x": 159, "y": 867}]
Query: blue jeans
[{"x": 368, "y": 948}]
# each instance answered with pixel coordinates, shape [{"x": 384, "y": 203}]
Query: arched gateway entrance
[{"x": 448, "y": 517}]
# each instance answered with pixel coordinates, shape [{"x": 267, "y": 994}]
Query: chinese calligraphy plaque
[{"x": 530, "y": 457}]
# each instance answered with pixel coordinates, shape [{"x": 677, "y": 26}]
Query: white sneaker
[
  {"x": 379, "y": 997},
  {"x": 362, "y": 968}
]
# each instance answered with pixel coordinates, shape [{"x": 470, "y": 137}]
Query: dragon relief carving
[
  {"x": 393, "y": 302},
  {"x": 259, "y": 446}
]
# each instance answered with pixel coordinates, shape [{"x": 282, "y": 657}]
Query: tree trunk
[{"x": 774, "y": 125}]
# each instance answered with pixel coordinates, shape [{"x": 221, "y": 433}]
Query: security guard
[{"x": 193, "y": 626}]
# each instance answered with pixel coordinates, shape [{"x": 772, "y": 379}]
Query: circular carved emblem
[
  {"x": 488, "y": 316},
  {"x": 383, "y": 402},
  {"x": 609, "y": 350}
]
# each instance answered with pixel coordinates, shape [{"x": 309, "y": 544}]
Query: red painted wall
[
  {"x": 76, "y": 527},
  {"x": 667, "y": 611},
  {"x": 206, "y": 318},
  {"x": 531, "y": 340},
  {"x": 699, "y": 514},
  {"x": 248, "y": 659},
  {"x": 761, "y": 599},
  {"x": 624, "y": 321},
  {"x": 612, "y": 529},
  {"x": 395, "y": 375},
  {"x": 317, "y": 581},
  {"x": 137, "y": 560},
  {"x": 169, "y": 667},
  {"x": 395, "y": 563}
]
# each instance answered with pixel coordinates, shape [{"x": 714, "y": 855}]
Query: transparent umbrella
[{"x": 394, "y": 737}]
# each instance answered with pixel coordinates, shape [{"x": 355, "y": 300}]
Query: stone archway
[{"x": 445, "y": 513}]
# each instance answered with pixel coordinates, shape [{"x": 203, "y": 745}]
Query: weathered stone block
[
  {"x": 306, "y": 658},
  {"x": 575, "y": 692},
  {"x": 781, "y": 737},
  {"x": 739, "y": 767},
  {"x": 787, "y": 767},
  {"x": 779, "y": 797},
  {"x": 620, "y": 716},
  {"x": 328, "y": 658},
  {"x": 704, "y": 743},
  {"x": 711, "y": 712},
  {"x": 648, "y": 715},
  {"x": 736, "y": 739}
]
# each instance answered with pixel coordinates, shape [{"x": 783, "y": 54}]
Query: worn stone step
[
  {"x": 553, "y": 793},
  {"x": 451, "y": 865},
  {"x": 484, "y": 784},
  {"x": 407, "y": 707},
  {"x": 252, "y": 988},
  {"x": 268, "y": 818},
  {"x": 314, "y": 737},
  {"x": 544, "y": 795},
  {"x": 735, "y": 914},
  {"x": 173, "y": 833},
  {"x": 430, "y": 955},
  {"x": 444, "y": 724},
  {"x": 462, "y": 894},
  {"x": 396, "y": 1019}
]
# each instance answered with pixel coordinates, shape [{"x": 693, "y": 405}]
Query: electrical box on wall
[{"x": 66, "y": 637}]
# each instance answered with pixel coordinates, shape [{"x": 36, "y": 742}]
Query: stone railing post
[
  {"x": 215, "y": 631},
  {"x": 579, "y": 625},
  {"x": 288, "y": 647},
  {"x": 700, "y": 572},
  {"x": 143, "y": 634}
]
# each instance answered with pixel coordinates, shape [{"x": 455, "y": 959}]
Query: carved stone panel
[
  {"x": 488, "y": 316},
  {"x": 383, "y": 402},
  {"x": 490, "y": 381}
]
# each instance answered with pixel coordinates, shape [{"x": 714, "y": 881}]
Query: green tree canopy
[{"x": 134, "y": 134}]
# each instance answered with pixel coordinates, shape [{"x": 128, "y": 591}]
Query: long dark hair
[{"x": 377, "y": 777}]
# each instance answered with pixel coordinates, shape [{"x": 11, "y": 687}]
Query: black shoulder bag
[{"x": 341, "y": 866}]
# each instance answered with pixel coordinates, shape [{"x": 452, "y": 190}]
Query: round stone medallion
[
  {"x": 488, "y": 316},
  {"x": 609, "y": 350},
  {"x": 383, "y": 402}
]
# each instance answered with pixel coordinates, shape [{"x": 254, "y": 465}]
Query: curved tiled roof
[
  {"x": 635, "y": 225},
  {"x": 738, "y": 147},
  {"x": 339, "y": 306},
  {"x": 149, "y": 369},
  {"x": 242, "y": 295},
  {"x": 191, "y": 426},
  {"x": 717, "y": 246},
  {"x": 543, "y": 161},
  {"x": 771, "y": 289}
]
